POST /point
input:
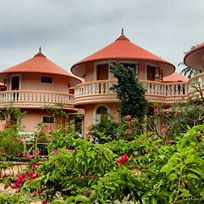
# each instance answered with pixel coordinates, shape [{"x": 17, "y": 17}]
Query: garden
[{"x": 152, "y": 155}]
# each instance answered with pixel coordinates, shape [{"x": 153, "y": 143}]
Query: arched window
[{"x": 100, "y": 111}]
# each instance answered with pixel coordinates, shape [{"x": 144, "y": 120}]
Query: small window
[
  {"x": 48, "y": 119},
  {"x": 46, "y": 79}
]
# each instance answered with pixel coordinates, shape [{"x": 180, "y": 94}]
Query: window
[
  {"x": 46, "y": 79},
  {"x": 101, "y": 111},
  {"x": 48, "y": 119},
  {"x": 150, "y": 73}
]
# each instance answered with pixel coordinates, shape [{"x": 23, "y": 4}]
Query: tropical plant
[{"x": 129, "y": 91}]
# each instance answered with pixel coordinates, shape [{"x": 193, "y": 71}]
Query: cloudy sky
[{"x": 69, "y": 30}]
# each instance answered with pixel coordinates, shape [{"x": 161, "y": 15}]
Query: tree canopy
[{"x": 129, "y": 91}]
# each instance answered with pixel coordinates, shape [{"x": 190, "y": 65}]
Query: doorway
[{"x": 15, "y": 82}]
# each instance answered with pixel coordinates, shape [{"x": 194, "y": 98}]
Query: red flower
[
  {"x": 156, "y": 110},
  {"x": 128, "y": 118},
  {"x": 164, "y": 131},
  {"x": 44, "y": 202},
  {"x": 92, "y": 177},
  {"x": 22, "y": 154},
  {"x": 81, "y": 177},
  {"x": 123, "y": 159},
  {"x": 169, "y": 142},
  {"x": 33, "y": 175},
  {"x": 5, "y": 187},
  {"x": 29, "y": 156},
  {"x": 43, "y": 158},
  {"x": 54, "y": 151}
]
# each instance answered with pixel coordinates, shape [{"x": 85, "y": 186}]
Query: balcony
[
  {"x": 158, "y": 92},
  {"x": 35, "y": 98}
]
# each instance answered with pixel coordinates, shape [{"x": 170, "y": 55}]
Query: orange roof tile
[
  {"x": 175, "y": 77},
  {"x": 195, "y": 56},
  {"x": 39, "y": 64},
  {"x": 123, "y": 49}
]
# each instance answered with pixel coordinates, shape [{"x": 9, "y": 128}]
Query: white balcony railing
[
  {"x": 36, "y": 96},
  {"x": 156, "y": 89}
]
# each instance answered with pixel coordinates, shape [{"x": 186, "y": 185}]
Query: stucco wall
[
  {"x": 31, "y": 81},
  {"x": 89, "y": 72}
]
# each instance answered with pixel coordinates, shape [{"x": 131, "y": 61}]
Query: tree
[
  {"x": 189, "y": 71},
  {"x": 129, "y": 91}
]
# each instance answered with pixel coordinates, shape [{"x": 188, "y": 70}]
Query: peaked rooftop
[
  {"x": 123, "y": 49},
  {"x": 175, "y": 77},
  {"x": 38, "y": 64}
]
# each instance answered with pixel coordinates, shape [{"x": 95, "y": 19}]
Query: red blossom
[
  {"x": 164, "y": 131},
  {"x": 44, "y": 202},
  {"x": 33, "y": 175},
  {"x": 29, "y": 156},
  {"x": 22, "y": 154},
  {"x": 5, "y": 187},
  {"x": 156, "y": 111},
  {"x": 92, "y": 177},
  {"x": 54, "y": 151},
  {"x": 169, "y": 142},
  {"x": 81, "y": 177},
  {"x": 123, "y": 159},
  {"x": 35, "y": 165},
  {"x": 43, "y": 158},
  {"x": 128, "y": 118}
]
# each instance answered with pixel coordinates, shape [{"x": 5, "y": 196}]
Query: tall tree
[{"x": 129, "y": 91}]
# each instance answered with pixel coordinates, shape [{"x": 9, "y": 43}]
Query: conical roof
[
  {"x": 123, "y": 49},
  {"x": 195, "y": 57},
  {"x": 175, "y": 77},
  {"x": 39, "y": 63}
]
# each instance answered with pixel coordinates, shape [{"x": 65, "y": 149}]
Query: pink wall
[
  {"x": 89, "y": 76},
  {"x": 31, "y": 81}
]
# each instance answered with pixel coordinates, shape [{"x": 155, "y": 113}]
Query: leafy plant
[{"x": 129, "y": 91}]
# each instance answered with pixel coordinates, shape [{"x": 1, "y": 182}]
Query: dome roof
[
  {"x": 175, "y": 77},
  {"x": 40, "y": 64},
  {"x": 195, "y": 57},
  {"x": 123, "y": 49}
]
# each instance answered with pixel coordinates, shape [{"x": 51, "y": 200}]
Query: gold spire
[
  {"x": 40, "y": 49},
  {"x": 122, "y": 31}
]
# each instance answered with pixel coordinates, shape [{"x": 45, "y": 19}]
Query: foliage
[
  {"x": 108, "y": 130},
  {"x": 57, "y": 111},
  {"x": 105, "y": 130},
  {"x": 13, "y": 116},
  {"x": 177, "y": 120},
  {"x": 148, "y": 169},
  {"x": 10, "y": 144},
  {"x": 11, "y": 199},
  {"x": 189, "y": 71},
  {"x": 129, "y": 91}
]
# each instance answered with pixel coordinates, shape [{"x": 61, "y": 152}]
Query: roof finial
[
  {"x": 40, "y": 49},
  {"x": 122, "y": 31}
]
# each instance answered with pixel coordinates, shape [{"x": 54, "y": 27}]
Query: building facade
[
  {"x": 33, "y": 84},
  {"x": 39, "y": 81},
  {"x": 163, "y": 85}
]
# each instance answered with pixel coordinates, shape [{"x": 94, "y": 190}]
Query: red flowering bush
[
  {"x": 128, "y": 118},
  {"x": 122, "y": 159}
]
